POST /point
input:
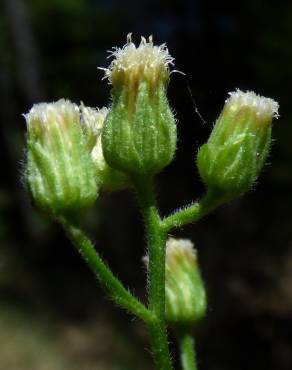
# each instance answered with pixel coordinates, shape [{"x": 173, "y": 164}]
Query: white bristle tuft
[{"x": 264, "y": 107}]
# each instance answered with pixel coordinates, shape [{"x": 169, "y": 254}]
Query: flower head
[
  {"x": 185, "y": 296},
  {"x": 59, "y": 169},
  {"x": 139, "y": 136},
  {"x": 230, "y": 162}
]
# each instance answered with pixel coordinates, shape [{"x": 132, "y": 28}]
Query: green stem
[
  {"x": 156, "y": 240},
  {"x": 108, "y": 281},
  {"x": 192, "y": 213},
  {"x": 187, "y": 352},
  {"x": 159, "y": 345}
]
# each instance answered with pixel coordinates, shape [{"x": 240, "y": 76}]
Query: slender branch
[
  {"x": 191, "y": 213},
  {"x": 183, "y": 217},
  {"x": 108, "y": 281},
  {"x": 187, "y": 352},
  {"x": 156, "y": 240}
]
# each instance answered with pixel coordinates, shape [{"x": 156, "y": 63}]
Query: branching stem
[{"x": 156, "y": 233}]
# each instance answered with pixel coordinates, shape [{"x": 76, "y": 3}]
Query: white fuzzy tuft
[
  {"x": 179, "y": 247},
  {"x": 42, "y": 113},
  {"x": 265, "y": 108},
  {"x": 146, "y": 57}
]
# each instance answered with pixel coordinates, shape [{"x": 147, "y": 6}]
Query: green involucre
[
  {"x": 139, "y": 136},
  {"x": 59, "y": 170}
]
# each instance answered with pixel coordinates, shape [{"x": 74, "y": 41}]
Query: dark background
[{"x": 52, "y": 314}]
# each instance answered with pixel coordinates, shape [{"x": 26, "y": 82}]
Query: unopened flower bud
[
  {"x": 60, "y": 173},
  {"x": 230, "y": 162},
  {"x": 185, "y": 296},
  {"x": 139, "y": 136},
  {"x": 92, "y": 121}
]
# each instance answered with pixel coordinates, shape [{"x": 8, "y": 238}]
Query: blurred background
[{"x": 52, "y": 314}]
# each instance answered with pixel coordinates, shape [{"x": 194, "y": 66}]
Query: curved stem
[
  {"x": 108, "y": 281},
  {"x": 187, "y": 352},
  {"x": 156, "y": 240}
]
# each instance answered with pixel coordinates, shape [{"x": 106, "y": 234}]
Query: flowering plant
[{"x": 75, "y": 152}]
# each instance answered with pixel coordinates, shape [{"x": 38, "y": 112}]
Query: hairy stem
[
  {"x": 156, "y": 240},
  {"x": 108, "y": 281},
  {"x": 187, "y": 352},
  {"x": 159, "y": 345},
  {"x": 191, "y": 213}
]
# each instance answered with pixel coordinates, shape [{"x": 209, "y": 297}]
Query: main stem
[
  {"x": 187, "y": 352},
  {"x": 156, "y": 239}
]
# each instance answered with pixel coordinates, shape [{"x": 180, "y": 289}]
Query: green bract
[
  {"x": 230, "y": 162},
  {"x": 139, "y": 136},
  {"x": 185, "y": 296},
  {"x": 60, "y": 173}
]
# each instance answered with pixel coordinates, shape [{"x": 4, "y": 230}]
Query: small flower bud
[
  {"x": 230, "y": 162},
  {"x": 59, "y": 170},
  {"x": 139, "y": 136},
  {"x": 185, "y": 296},
  {"x": 92, "y": 120}
]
